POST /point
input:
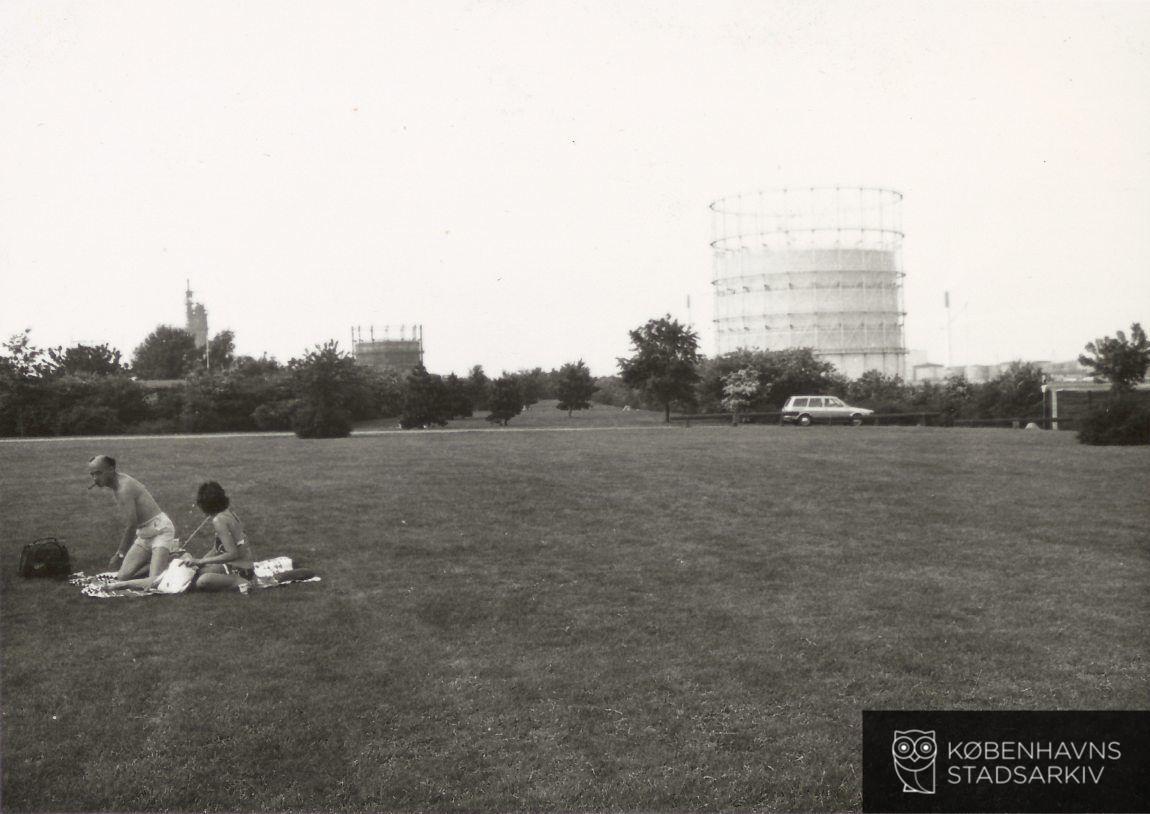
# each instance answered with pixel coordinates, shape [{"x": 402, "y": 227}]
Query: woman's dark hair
[{"x": 212, "y": 498}]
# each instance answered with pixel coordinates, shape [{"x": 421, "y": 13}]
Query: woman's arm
[{"x": 227, "y": 541}]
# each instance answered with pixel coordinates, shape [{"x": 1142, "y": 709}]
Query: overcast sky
[{"x": 530, "y": 180}]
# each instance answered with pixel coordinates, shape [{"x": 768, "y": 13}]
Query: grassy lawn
[{"x": 616, "y": 620}]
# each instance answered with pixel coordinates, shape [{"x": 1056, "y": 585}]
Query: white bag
[{"x": 176, "y": 578}]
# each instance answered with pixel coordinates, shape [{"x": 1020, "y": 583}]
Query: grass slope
[{"x": 659, "y": 619}]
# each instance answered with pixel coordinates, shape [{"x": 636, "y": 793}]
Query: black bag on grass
[{"x": 45, "y": 557}]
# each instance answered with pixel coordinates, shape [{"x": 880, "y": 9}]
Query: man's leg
[
  {"x": 161, "y": 556},
  {"x": 135, "y": 561}
]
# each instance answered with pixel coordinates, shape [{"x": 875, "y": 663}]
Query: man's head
[{"x": 102, "y": 468}]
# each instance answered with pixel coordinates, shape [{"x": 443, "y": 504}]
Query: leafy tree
[
  {"x": 956, "y": 398},
  {"x": 250, "y": 366},
  {"x": 1014, "y": 393},
  {"x": 575, "y": 387},
  {"x": 93, "y": 360},
  {"x": 878, "y": 391},
  {"x": 611, "y": 391},
  {"x": 27, "y": 400},
  {"x": 781, "y": 373},
  {"x": 532, "y": 385},
  {"x": 222, "y": 350},
  {"x": 1122, "y": 362},
  {"x": 798, "y": 371},
  {"x": 506, "y": 400},
  {"x": 480, "y": 387},
  {"x": 166, "y": 353},
  {"x": 739, "y": 391},
  {"x": 549, "y": 384},
  {"x": 458, "y": 397},
  {"x": 23, "y": 359},
  {"x": 325, "y": 381},
  {"x": 381, "y": 394},
  {"x": 425, "y": 400},
  {"x": 663, "y": 365}
]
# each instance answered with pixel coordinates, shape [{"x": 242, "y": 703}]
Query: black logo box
[{"x": 1107, "y": 771}]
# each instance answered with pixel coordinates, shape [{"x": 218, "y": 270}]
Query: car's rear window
[{"x": 799, "y": 403}]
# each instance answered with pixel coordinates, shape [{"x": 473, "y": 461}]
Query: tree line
[
  {"x": 172, "y": 386},
  {"x": 90, "y": 390}
]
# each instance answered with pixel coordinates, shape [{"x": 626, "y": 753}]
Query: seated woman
[{"x": 229, "y": 563}]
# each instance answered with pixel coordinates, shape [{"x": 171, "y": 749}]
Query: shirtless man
[{"x": 150, "y": 536}]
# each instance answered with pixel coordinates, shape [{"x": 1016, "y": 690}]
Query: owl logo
[{"x": 914, "y": 753}]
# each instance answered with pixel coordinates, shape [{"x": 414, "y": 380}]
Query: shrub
[
  {"x": 1120, "y": 421},
  {"x": 276, "y": 415},
  {"x": 312, "y": 420},
  {"x": 90, "y": 419},
  {"x": 328, "y": 384},
  {"x": 29, "y": 408},
  {"x": 165, "y": 404},
  {"x": 126, "y": 398},
  {"x": 506, "y": 400},
  {"x": 376, "y": 394},
  {"x": 426, "y": 400}
]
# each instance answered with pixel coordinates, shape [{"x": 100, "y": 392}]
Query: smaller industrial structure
[
  {"x": 1068, "y": 371},
  {"x": 400, "y": 352}
]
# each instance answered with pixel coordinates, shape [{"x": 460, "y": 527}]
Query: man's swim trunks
[{"x": 156, "y": 533}]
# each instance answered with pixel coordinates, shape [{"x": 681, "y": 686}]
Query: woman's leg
[{"x": 217, "y": 582}]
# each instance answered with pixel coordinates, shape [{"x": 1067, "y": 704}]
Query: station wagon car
[{"x": 807, "y": 410}]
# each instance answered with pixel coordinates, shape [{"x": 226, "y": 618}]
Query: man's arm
[
  {"x": 125, "y": 544},
  {"x": 126, "y": 497}
]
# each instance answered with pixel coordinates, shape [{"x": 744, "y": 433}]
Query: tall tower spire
[{"x": 197, "y": 317}]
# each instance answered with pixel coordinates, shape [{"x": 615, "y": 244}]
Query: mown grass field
[{"x": 623, "y": 619}]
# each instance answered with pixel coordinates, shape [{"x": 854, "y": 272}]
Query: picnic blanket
[{"x": 266, "y": 572}]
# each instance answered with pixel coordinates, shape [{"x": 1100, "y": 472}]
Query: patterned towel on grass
[{"x": 265, "y": 570}]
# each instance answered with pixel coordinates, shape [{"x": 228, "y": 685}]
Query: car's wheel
[
  {"x": 856, "y": 420},
  {"x": 804, "y": 420}
]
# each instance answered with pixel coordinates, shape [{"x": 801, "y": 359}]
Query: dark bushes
[
  {"x": 321, "y": 420},
  {"x": 90, "y": 419},
  {"x": 1123, "y": 420},
  {"x": 275, "y": 415}
]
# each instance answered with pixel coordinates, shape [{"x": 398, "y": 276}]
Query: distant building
[
  {"x": 927, "y": 372},
  {"x": 1069, "y": 371},
  {"x": 400, "y": 354}
]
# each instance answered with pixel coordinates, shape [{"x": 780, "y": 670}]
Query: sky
[{"x": 530, "y": 180}]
